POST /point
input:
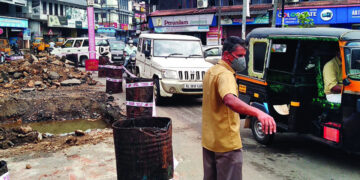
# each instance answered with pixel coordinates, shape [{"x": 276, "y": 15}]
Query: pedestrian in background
[{"x": 222, "y": 147}]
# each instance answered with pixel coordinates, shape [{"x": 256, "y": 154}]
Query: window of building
[
  {"x": 56, "y": 9},
  {"x": 61, "y": 10},
  {"x": 44, "y": 8},
  {"x": 96, "y": 17},
  {"x": 50, "y": 8}
]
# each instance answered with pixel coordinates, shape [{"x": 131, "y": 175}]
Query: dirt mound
[{"x": 33, "y": 73}]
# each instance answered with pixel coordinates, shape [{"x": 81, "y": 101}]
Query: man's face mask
[
  {"x": 131, "y": 45},
  {"x": 238, "y": 63}
]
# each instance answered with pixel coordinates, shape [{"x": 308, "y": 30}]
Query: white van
[
  {"x": 175, "y": 62},
  {"x": 80, "y": 47}
]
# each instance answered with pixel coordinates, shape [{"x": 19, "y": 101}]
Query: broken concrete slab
[
  {"x": 70, "y": 82},
  {"x": 28, "y": 89}
]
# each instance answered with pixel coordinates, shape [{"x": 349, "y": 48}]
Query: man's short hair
[{"x": 232, "y": 42}]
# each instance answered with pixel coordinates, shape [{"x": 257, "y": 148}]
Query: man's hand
[
  {"x": 235, "y": 104},
  {"x": 268, "y": 123},
  {"x": 336, "y": 89}
]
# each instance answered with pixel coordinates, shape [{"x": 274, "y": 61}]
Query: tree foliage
[{"x": 304, "y": 20}]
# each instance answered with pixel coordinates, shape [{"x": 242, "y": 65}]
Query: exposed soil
[{"x": 56, "y": 143}]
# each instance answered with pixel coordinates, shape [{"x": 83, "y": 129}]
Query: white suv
[
  {"x": 175, "y": 62},
  {"x": 79, "y": 47}
]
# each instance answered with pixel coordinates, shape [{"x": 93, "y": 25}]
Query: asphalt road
[{"x": 291, "y": 156}]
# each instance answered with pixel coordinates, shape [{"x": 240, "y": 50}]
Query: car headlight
[{"x": 169, "y": 74}]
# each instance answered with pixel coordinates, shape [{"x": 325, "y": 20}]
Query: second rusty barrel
[
  {"x": 139, "y": 97},
  {"x": 103, "y": 62},
  {"x": 143, "y": 148},
  {"x": 114, "y": 79}
]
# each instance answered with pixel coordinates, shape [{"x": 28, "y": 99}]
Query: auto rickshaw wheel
[{"x": 259, "y": 135}]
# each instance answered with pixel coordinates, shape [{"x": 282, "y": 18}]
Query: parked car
[
  {"x": 77, "y": 49},
  {"x": 212, "y": 53},
  {"x": 175, "y": 62},
  {"x": 117, "y": 51}
]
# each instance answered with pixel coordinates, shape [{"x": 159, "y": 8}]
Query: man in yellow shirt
[
  {"x": 333, "y": 79},
  {"x": 222, "y": 147}
]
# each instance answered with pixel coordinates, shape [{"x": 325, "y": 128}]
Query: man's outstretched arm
[{"x": 235, "y": 104}]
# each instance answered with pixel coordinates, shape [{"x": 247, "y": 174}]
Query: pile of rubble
[{"x": 45, "y": 72}]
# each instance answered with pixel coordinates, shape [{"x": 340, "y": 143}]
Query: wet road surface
[{"x": 291, "y": 156}]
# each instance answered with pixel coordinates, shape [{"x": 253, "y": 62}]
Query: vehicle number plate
[
  {"x": 193, "y": 86},
  {"x": 117, "y": 57}
]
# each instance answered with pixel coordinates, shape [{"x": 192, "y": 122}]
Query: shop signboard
[
  {"x": 78, "y": 24},
  {"x": 260, "y": 19},
  {"x": 12, "y": 22},
  {"x": 213, "y": 36},
  {"x": 73, "y": 15},
  {"x": 143, "y": 18},
  {"x": 186, "y": 20},
  {"x": 336, "y": 15},
  {"x": 125, "y": 27},
  {"x": 57, "y": 21},
  {"x": 26, "y": 34},
  {"x": 182, "y": 29},
  {"x": 137, "y": 17}
]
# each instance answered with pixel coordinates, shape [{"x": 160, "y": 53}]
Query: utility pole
[
  {"x": 274, "y": 14},
  {"x": 244, "y": 13},
  {"x": 282, "y": 13},
  {"x": 219, "y": 23}
]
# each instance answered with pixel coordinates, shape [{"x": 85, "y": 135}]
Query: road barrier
[
  {"x": 114, "y": 79},
  {"x": 4, "y": 174},
  {"x": 143, "y": 148},
  {"x": 139, "y": 97},
  {"x": 103, "y": 62}
]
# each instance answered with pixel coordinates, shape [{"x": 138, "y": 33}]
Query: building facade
[
  {"x": 13, "y": 25},
  {"x": 188, "y": 16},
  {"x": 113, "y": 18}
]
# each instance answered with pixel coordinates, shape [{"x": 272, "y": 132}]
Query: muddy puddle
[{"x": 63, "y": 127}]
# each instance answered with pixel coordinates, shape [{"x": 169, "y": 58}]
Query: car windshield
[
  {"x": 37, "y": 40},
  {"x": 117, "y": 45},
  {"x": 102, "y": 42},
  {"x": 177, "y": 48},
  {"x": 352, "y": 57}
]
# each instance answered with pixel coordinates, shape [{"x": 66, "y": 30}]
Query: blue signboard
[
  {"x": 322, "y": 15},
  {"x": 12, "y": 22}
]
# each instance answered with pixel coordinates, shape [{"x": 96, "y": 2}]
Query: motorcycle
[
  {"x": 4, "y": 57},
  {"x": 131, "y": 61},
  {"x": 16, "y": 50}
]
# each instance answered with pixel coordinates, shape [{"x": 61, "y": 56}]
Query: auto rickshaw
[
  {"x": 5, "y": 46},
  {"x": 39, "y": 45},
  {"x": 284, "y": 78}
]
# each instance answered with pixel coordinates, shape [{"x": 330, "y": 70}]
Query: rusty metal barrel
[
  {"x": 113, "y": 79},
  {"x": 4, "y": 174},
  {"x": 103, "y": 62},
  {"x": 139, "y": 97},
  {"x": 143, "y": 148}
]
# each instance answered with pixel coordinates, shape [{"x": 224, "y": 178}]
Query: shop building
[
  {"x": 12, "y": 26},
  {"x": 61, "y": 18},
  {"x": 343, "y": 16},
  {"x": 203, "y": 23},
  {"x": 112, "y": 18}
]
